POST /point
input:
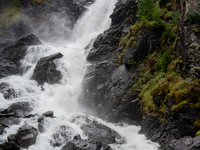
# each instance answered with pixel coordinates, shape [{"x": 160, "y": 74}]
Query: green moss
[
  {"x": 131, "y": 41},
  {"x": 195, "y": 31},
  {"x": 123, "y": 42},
  {"x": 161, "y": 88},
  {"x": 181, "y": 104},
  {"x": 198, "y": 132},
  {"x": 197, "y": 124}
]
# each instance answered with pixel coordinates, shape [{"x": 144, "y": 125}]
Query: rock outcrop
[{"x": 45, "y": 70}]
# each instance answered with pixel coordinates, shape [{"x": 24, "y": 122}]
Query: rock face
[
  {"x": 42, "y": 17},
  {"x": 45, "y": 70},
  {"x": 107, "y": 78},
  {"x": 13, "y": 53}
]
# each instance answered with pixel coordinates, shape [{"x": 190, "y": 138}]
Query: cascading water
[{"x": 62, "y": 98}]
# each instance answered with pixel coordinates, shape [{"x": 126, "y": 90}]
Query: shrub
[
  {"x": 168, "y": 34},
  {"x": 147, "y": 10},
  {"x": 164, "y": 61}
]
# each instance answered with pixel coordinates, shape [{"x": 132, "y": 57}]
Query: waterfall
[{"x": 62, "y": 98}]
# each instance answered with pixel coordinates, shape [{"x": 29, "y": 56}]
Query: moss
[
  {"x": 134, "y": 44},
  {"x": 131, "y": 41},
  {"x": 197, "y": 124},
  {"x": 161, "y": 88},
  {"x": 148, "y": 103},
  {"x": 180, "y": 105},
  {"x": 162, "y": 120},
  {"x": 122, "y": 42},
  {"x": 195, "y": 31},
  {"x": 198, "y": 132}
]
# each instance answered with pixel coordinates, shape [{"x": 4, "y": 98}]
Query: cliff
[{"x": 145, "y": 70}]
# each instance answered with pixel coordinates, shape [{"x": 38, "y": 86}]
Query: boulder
[
  {"x": 97, "y": 131},
  {"x": 7, "y": 91},
  {"x": 48, "y": 114},
  {"x": 19, "y": 109},
  {"x": 63, "y": 135},
  {"x": 45, "y": 70},
  {"x": 26, "y": 136},
  {"x": 9, "y": 146},
  {"x": 85, "y": 145}
]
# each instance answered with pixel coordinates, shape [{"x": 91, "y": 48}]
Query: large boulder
[
  {"x": 78, "y": 143},
  {"x": 19, "y": 109},
  {"x": 45, "y": 70},
  {"x": 97, "y": 131},
  {"x": 26, "y": 136}
]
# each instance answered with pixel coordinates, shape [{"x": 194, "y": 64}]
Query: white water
[{"x": 63, "y": 98}]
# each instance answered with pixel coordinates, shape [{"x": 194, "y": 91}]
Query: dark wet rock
[
  {"x": 147, "y": 42},
  {"x": 45, "y": 70},
  {"x": 26, "y": 136},
  {"x": 11, "y": 55},
  {"x": 85, "y": 145},
  {"x": 7, "y": 91},
  {"x": 19, "y": 109},
  {"x": 105, "y": 44},
  {"x": 48, "y": 114},
  {"x": 63, "y": 135},
  {"x": 113, "y": 101},
  {"x": 12, "y": 137},
  {"x": 47, "y": 14},
  {"x": 97, "y": 131},
  {"x": 9, "y": 146},
  {"x": 18, "y": 29},
  {"x": 7, "y": 122},
  {"x": 41, "y": 124},
  {"x": 179, "y": 124},
  {"x": 77, "y": 137},
  {"x": 124, "y": 9}
]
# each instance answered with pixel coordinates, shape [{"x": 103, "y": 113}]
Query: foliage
[
  {"x": 163, "y": 3},
  {"x": 132, "y": 62},
  {"x": 176, "y": 17},
  {"x": 147, "y": 10},
  {"x": 164, "y": 61},
  {"x": 168, "y": 34}
]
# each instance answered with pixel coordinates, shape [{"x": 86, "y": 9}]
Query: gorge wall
[{"x": 147, "y": 72}]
